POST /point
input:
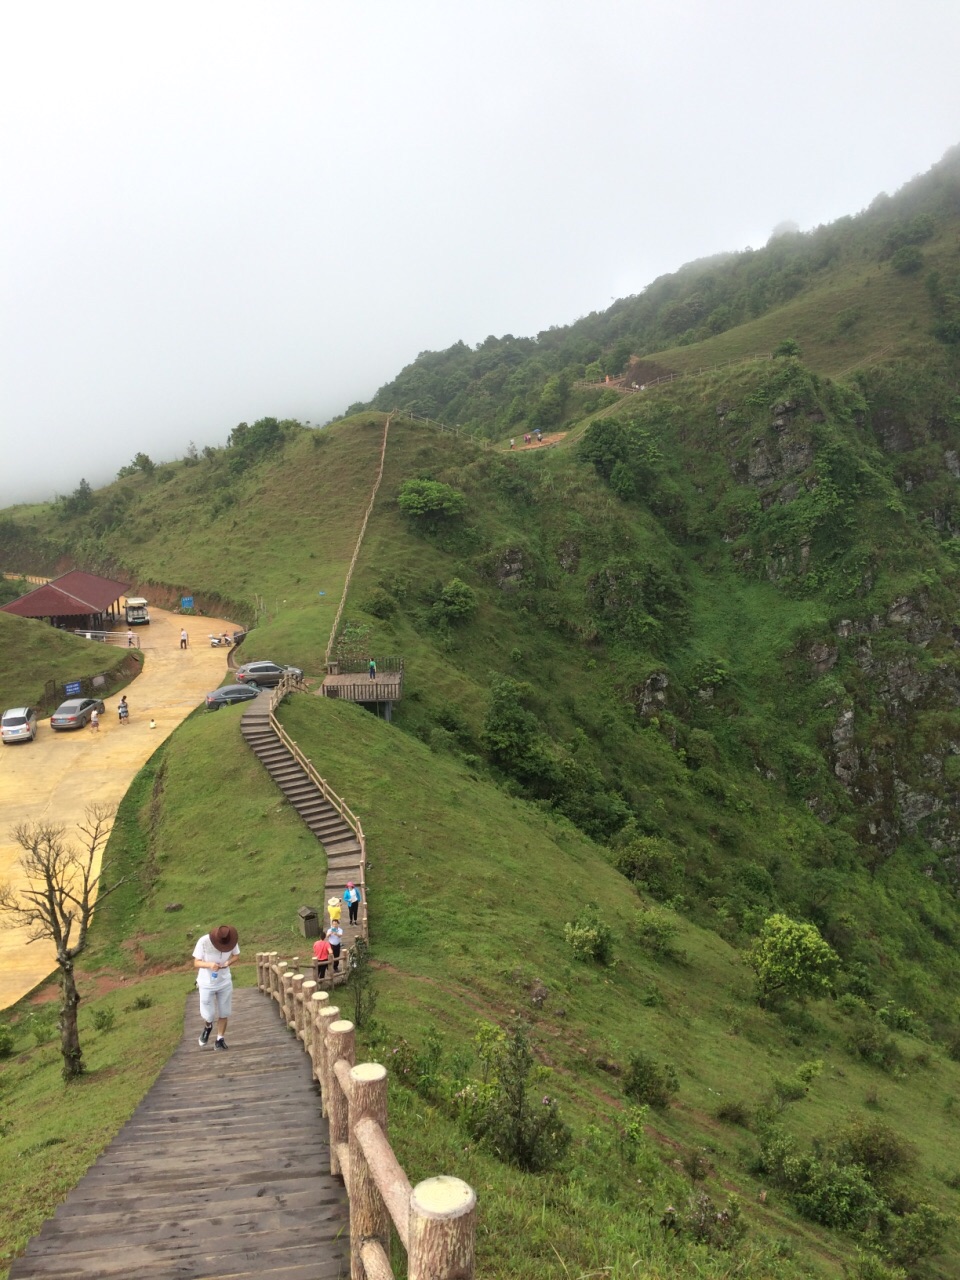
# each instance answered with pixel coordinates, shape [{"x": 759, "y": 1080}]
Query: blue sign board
[
  {"x": 72, "y": 687},
  {"x": 186, "y": 602}
]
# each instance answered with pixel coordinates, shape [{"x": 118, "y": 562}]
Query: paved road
[{"x": 59, "y": 774}]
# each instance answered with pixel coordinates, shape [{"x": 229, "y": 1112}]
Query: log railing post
[
  {"x": 443, "y": 1228},
  {"x": 297, "y": 996},
  {"x": 286, "y": 998},
  {"x": 317, "y": 1001},
  {"x": 327, "y": 1016},
  {"x": 281, "y": 969},
  {"x": 369, "y": 1219},
  {"x": 260, "y": 959},
  {"x": 306, "y": 1013},
  {"x": 340, "y": 1045}
]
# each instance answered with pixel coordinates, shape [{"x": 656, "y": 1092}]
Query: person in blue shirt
[{"x": 351, "y": 896}]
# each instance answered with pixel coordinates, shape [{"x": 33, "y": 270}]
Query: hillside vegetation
[
  {"x": 692, "y": 668},
  {"x": 34, "y": 656}
]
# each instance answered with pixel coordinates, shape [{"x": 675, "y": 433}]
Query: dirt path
[
  {"x": 551, "y": 438},
  {"x": 58, "y": 775}
]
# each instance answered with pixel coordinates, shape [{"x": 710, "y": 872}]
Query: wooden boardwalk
[{"x": 221, "y": 1172}]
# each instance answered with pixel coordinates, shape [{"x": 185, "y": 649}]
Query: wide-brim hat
[{"x": 223, "y": 937}]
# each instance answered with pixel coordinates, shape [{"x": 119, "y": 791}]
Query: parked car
[
  {"x": 231, "y": 693},
  {"x": 267, "y": 674},
  {"x": 75, "y": 712},
  {"x": 19, "y": 724}
]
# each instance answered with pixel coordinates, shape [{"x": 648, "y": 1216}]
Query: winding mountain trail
[{"x": 56, "y": 777}]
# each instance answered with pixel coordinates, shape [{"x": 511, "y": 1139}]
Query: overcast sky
[{"x": 220, "y": 210}]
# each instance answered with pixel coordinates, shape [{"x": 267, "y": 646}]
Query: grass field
[{"x": 33, "y": 653}]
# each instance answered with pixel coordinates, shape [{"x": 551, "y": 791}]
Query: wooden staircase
[{"x": 338, "y": 838}]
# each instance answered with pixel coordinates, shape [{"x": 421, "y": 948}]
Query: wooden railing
[
  {"x": 356, "y": 551},
  {"x": 289, "y": 684},
  {"x": 442, "y": 427},
  {"x": 366, "y": 691},
  {"x": 435, "y": 1220}
]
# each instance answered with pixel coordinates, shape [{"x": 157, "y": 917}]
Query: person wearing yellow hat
[{"x": 334, "y": 910}]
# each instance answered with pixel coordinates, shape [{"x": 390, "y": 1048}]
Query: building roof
[{"x": 72, "y": 595}]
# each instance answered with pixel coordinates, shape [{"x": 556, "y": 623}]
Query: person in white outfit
[{"x": 213, "y": 955}]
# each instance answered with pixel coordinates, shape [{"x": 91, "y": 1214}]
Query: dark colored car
[
  {"x": 75, "y": 712},
  {"x": 267, "y": 674},
  {"x": 19, "y": 724},
  {"x": 229, "y": 694}
]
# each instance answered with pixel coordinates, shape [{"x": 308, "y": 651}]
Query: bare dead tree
[{"x": 56, "y": 904}]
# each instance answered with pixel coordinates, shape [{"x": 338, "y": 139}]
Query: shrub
[
  {"x": 907, "y": 260},
  {"x": 656, "y": 931},
  {"x": 649, "y": 1082},
  {"x": 788, "y": 347},
  {"x": 653, "y": 863},
  {"x": 588, "y": 937},
  {"x": 429, "y": 502},
  {"x": 456, "y": 604},
  {"x": 734, "y": 1112},
  {"x": 143, "y": 1002},
  {"x": 520, "y": 1129},
  {"x": 6, "y": 1041},
  {"x": 793, "y": 1088},
  {"x": 876, "y": 1148},
  {"x": 379, "y": 604},
  {"x": 918, "y": 1234},
  {"x": 871, "y": 1042},
  {"x": 104, "y": 1019},
  {"x": 790, "y": 958},
  {"x": 713, "y": 1227}
]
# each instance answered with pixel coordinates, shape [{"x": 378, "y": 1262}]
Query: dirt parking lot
[{"x": 58, "y": 775}]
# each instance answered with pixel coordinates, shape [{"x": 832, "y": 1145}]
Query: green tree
[
  {"x": 79, "y": 502},
  {"x": 790, "y": 958},
  {"x": 429, "y": 502},
  {"x": 455, "y": 605}
]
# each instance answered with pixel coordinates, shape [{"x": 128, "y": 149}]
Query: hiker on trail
[
  {"x": 321, "y": 955},
  {"x": 512, "y": 442},
  {"x": 213, "y": 955},
  {"x": 333, "y": 910},
  {"x": 372, "y": 669},
  {"x": 335, "y": 938},
  {"x": 95, "y": 720},
  {"x": 129, "y": 639},
  {"x": 539, "y": 435},
  {"x": 183, "y": 637},
  {"x": 351, "y": 896},
  {"x": 123, "y": 710}
]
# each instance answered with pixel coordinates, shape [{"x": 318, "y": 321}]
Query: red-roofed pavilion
[{"x": 76, "y": 599}]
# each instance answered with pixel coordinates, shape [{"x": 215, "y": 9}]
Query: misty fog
[{"x": 215, "y": 213}]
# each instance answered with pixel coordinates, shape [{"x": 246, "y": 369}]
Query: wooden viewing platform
[
  {"x": 223, "y": 1170},
  {"x": 384, "y": 689}
]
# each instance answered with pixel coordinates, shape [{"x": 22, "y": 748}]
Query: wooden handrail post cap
[
  {"x": 443, "y": 1223},
  {"x": 368, "y": 1072}
]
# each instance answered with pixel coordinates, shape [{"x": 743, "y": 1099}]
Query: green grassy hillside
[
  {"x": 470, "y": 890},
  {"x": 32, "y": 654},
  {"x": 694, "y": 665}
]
